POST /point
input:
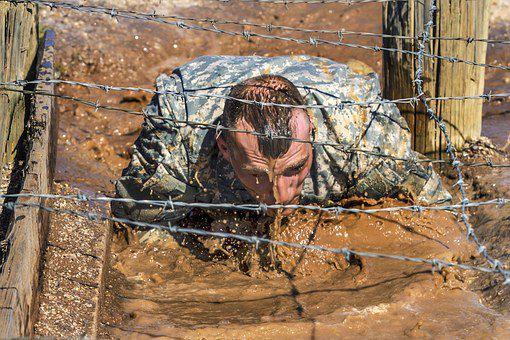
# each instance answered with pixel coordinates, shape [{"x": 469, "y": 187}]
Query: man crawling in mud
[{"x": 333, "y": 148}]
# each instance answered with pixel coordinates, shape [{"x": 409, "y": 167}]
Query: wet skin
[{"x": 271, "y": 181}]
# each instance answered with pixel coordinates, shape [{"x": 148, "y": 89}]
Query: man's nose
[{"x": 284, "y": 191}]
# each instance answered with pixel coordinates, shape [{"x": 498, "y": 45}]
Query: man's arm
[
  {"x": 402, "y": 172},
  {"x": 415, "y": 180},
  {"x": 156, "y": 170}
]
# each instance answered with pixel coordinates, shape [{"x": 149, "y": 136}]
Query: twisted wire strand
[
  {"x": 219, "y": 128},
  {"x": 342, "y": 32},
  {"x": 434, "y": 263},
  {"x": 259, "y": 207},
  {"x": 193, "y": 93},
  {"x": 450, "y": 150},
  {"x": 128, "y": 14}
]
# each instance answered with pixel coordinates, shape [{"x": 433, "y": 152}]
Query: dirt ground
[{"x": 155, "y": 287}]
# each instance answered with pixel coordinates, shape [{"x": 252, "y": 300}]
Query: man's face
[{"x": 271, "y": 181}]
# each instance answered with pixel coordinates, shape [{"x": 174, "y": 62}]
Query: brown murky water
[
  {"x": 210, "y": 289},
  {"x": 162, "y": 289}
]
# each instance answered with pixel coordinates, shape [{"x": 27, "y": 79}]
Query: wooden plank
[
  {"x": 454, "y": 18},
  {"x": 18, "y": 48},
  {"x": 19, "y": 278},
  {"x": 68, "y": 293}
]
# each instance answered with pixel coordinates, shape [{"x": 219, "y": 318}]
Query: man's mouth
[
  {"x": 271, "y": 201},
  {"x": 286, "y": 211}
]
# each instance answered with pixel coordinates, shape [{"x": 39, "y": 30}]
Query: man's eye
[{"x": 294, "y": 171}]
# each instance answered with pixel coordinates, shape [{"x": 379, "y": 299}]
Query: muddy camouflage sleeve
[
  {"x": 386, "y": 133},
  {"x": 148, "y": 177}
]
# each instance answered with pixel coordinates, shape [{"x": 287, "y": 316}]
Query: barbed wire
[
  {"x": 450, "y": 150},
  {"x": 191, "y": 93},
  {"x": 129, "y": 14},
  {"x": 218, "y": 128},
  {"x": 346, "y": 252},
  {"x": 341, "y": 33},
  {"x": 170, "y": 204}
]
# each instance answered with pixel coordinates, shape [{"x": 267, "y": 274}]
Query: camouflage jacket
[{"x": 180, "y": 161}]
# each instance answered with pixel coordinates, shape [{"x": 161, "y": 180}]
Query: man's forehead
[
  {"x": 249, "y": 143},
  {"x": 299, "y": 124}
]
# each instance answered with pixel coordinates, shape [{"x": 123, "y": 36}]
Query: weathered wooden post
[
  {"x": 20, "y": 268},
  {"x": 454, "y": 18},
  {"x": 18, "y": 47},
  {"x": 25, "y": 230}
]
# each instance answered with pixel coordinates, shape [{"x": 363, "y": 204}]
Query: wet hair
[{"x": 271, "y": 120}]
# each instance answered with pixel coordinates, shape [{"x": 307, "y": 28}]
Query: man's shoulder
[
  {"x": 227, "y": 70},
  {"x": 241, "y": 62}
]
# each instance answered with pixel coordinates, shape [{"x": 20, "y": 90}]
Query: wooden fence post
[
  {"x": 18, "y": 47},
  {"x": 454, "y": 18},
  {"x": 20, "y": 272},
  {"x": 19, "y": 265}
]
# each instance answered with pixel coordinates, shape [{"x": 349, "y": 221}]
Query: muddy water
[
  {"x": 159, "y": 288},
  {"x": 497, "y": 128},
  {"x": 496, "y": 120}
]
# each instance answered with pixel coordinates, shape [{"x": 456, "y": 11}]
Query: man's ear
[
  {"x": 301, "y": 122},
  {"x": 222, "y": 145}
]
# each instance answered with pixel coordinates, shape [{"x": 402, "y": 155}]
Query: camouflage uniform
[{"x": 182, "y": 162}]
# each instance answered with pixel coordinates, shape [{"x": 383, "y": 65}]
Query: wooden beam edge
[{"x": 28, "y": 229}]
